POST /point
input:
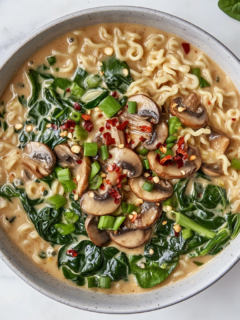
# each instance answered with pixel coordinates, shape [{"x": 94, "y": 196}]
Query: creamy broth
[{"x": 160, "y": 69}]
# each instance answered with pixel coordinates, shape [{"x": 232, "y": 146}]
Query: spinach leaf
[
  {"x": 36, "y": 86},
  {"x": 151, "y": 274},
  {"x": 114, "y": 267},
  {"x": 22, "y": 100},
  {"x": 212, "y": 196},
  {"x": 38, "y": 110},
  {"x": 231, "y": 8},
  {"x": 80, "y": 76},
  {"x": 80, "y": 227},
  {"x": 68, "y": 274},
  {"x": 174, "y": 124},
  {"x": 61, "y": 83},
  {"x": 116, "y": 74}
]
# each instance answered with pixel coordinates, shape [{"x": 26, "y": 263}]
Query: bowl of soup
[{"x": 119, "y": 146}]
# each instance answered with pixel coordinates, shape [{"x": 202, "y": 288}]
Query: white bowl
[{"x": 75, "y": 296}]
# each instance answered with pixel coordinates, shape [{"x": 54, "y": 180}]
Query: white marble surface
[{"x": 19, "y": 301}]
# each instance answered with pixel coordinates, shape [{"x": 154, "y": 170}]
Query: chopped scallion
[
  {"x": 235, "y": 163},
  {"x": 95, "y": 182},
  {"x": 146, "y": 164},
  {"x": 95, "y": 169},
  {"x": 143, "y": 152},
  {"x": 75, "y": 116},
  {"x": 110, "y": 106},
  {"x": 132, "y": 107},
  {"x": 57, "y": 201},
  {"x": 90, "y": 149},
  {"x": 106, "y": 222},
  {"x": 171, "y": 139},
  {"x": 79, "y": 134},
  {"x": 93, "y": 80},
  {"x": 147, "y": 186},
  {"x": 118, "y": 222},
  {"x": 187, "y": 233},
  {"x": 104, "y": 152},
  {"x": 65, "y": 229},
  {"x": 105, "y": 282},
  {"x": 51, "y": 60},
  {"x": 92, "y": 282},
  {"x": 71, "y": 217},
  {"x": 77, "y": 91},
  {"x": 64, "y": 174}
]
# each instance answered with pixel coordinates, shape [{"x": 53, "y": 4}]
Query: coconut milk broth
[{"x": 22, "y": 232}]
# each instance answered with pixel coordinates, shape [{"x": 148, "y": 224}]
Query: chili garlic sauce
[{"x": 69, "y": 55}]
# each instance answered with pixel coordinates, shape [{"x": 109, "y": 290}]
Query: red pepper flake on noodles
[
  {"x": 77, "y": 106},
  {"x": 166, "y": 160},
  {"x": 88, "y": 125},
  {"x": 108, "y": 138},
  {"x": 123, "y": 125},
  {"x": 112, "y": 122},
  {"x": 186, "y": 47},
  {"x": 233, "y": 119},
  {"x": 86, "y": 116}
]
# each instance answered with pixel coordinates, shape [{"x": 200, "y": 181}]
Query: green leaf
[
  {"x": 231, "y": 8},
  {"x": 174, "y": 124},
  {"x": 204, "y": 83},
  {"x": 116, "y": 74},
  {"x": 151, "y": 274},
  {"x": 61, "y": 83},
  {"x": 212, "y": 196},
  {"x": 51, "y": 60},
  {"x": 36, "y": 86},
  {"x": 39, "y": 110}
]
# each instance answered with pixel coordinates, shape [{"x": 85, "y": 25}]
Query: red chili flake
[
  {"x": 75, "y": 180},
  {"x": 101, "y": 129},
  {"x": 114, "y": 94},
  {"x": 179, "y": 161},
  {"x": 160, "y": 145},
  {"x": 88, "y": 125},
  {"x": 166, "y": 160},
  {"x": 142, "y": 139},
  {"x": 112, "y": 122},
  {"x": 146, "y": 129},
  {"x": 71, "y": 130},
  {"x": 68, "y": 124},
  {"x": 72, "y": 253},
  {"x": 149, "y": 178},
  {"x": 100, "y": 115},
  {"x": 180, "y": 143},
  {"x": 108, "y": 181},
  {"x": 108, "y": 126},
  {"x": 121, "y": 177},
  {"x": 209, "y": 102},
  {"x": 176, "y": 234},
  {"x": 74, "y": 191},
  {"x": 114, "y": 193},
  {"x": 102, "y": 187},
  {"x": 233, "y": 119},
  {"x": 119, "y": 186},
  {"x": 110, "y": 156},
  {"x": 111, "y": 167},
  {"x": 186, "y": 47},
  {"x": 108, "y": 138},
  {"x": 120, "y": 112},
  {"x": 123, "y": 125},
  {"x": 127, "y": 138},
  {"x": 116, "y": 201},
  {"x": 118, "y": 170},
  {"x": 54, "y": 126},
  {"x": 77, "y": 106},
  {"x": 86, "y": 117},
  {"x": 79, "y": 161},
  {"x": 68, "y": 90},
  {"x": 182, "y": 153}
]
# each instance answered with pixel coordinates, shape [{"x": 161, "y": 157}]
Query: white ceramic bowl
[{"x": 75, "y": 296}]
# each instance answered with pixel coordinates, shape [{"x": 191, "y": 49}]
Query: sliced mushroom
[
  {"x": 159, "y": 135},
  {"x": 127, "y": 160},
  {"x": 219, "y": 142},
  {"x": 137, "y": 124},
  {"x": 160, "y": 192},
  {"x": 118, "y": 135},
  {"x": 190, "y": 111},
  {"x": 149, "y": 215},
  {"x": 39, "y": 158},
  {"x": 99, "y": 237},
  {"x": 172, "y": 171},
  {"x": 82, "y": 173},
  {"x": 131, "y": 238},
  {"x": 98, "y": 204},
  {"x": 66, "y": 157},
  {"x": 146, "y": 108},
  {"x": 213, "y": 169}
]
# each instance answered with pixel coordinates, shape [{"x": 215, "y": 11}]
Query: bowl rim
[{"x": 21, "y": 44}]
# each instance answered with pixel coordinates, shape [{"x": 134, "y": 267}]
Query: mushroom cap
[
  {"x": 172, "y": 171},
  {"x": 146, "y": 108},
  {"x": 39, "y": 158},
  {"x": 195, "y": 114},
  {"x": 65, "y": 156},
  {"x": 159, "y": 135},
  {"x": 99, "y": 237},
  {"x": 99, "y": 205},
  {"x": 128, "y": 160},
  {"x": 219, "y": 141},
  {"x": 160, "y": 192},
  {"x": 213, "y": 169},
  {"x": 149, "y": 215},
  {"x": 131, "y": 238},
  {"x": 83, "y": 171}
]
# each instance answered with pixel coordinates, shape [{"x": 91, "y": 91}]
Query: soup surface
[{"x": 119, "y": 148}]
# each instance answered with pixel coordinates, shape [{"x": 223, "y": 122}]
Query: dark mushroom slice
[
  {"x": 131, "y": 238},
  {"x": 39, "y": 158},
  {"x": 213, "y": 169},
  {"x": 99, "y": 237},
  {"x": 66, "y": 157},
  {"x": 219, "y": 141},
  {"x": 127, "y": 160},
  {"x": 160, "y": 192},
  {"x": 149, "y": 215},
  {"x": 159, "y": 135},
  {"x": 190, "y": 111},
  {"x": 137, "y": 124},
  {"x": 172, "y": 171},
  {"x": 98, "y": 204},
  {"x": 82, "y": 173},
  {"x": 147, "y": 108}
]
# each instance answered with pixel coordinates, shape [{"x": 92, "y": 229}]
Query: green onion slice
[
  {"x": 132, "y": 107},
  {"x": 90, "y": 149},
  {"x": 57, "y": 201},
  {"x": 65, "y": 229}
]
